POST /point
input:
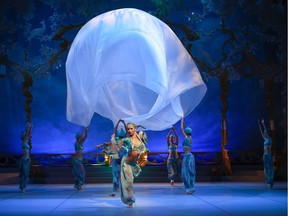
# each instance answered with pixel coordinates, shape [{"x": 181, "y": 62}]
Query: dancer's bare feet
[
  {"x": 190, "y": 192},
  {"x": 130, "y": 206},
  {"x": 171, "y": 182}
]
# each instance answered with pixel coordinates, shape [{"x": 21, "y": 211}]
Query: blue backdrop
[{"x": 52, "y": 133}]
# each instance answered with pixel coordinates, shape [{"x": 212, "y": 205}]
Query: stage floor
[{"x": 157, "y": 199}]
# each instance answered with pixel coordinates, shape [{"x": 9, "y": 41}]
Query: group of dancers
[
  {"x": 184, "y": 167},
  {"x": 126, "y": 147}
]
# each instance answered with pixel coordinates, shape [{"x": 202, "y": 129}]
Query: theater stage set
[
  {"x": 50, "y": 190},
  {"x": 220, "y": 64}
]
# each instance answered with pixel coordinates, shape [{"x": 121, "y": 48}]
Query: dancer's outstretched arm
[
  {"x": 125, "y": 126},
  {"x": 183, "y": 126},
  {"x": 176, "y": 135},
  {"x": 84, "y": 134},
  {"x": 168, "y": 137},
  {"x": 116, "y": 127},
  {"x": 28, "y": 130},
  {"x": 260, "y": 127}
]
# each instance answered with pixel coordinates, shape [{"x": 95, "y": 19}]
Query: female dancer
[
  {"x": 117, "y": 152},
  {"x": 172, "y": 161},
  {"x": 24, "y": 164},
  {"x": 129, "y": 164},
  {"x": 188, "y": 162},
  {"x": 267, "y": 156},
  {"x": 77, "y": 161}
]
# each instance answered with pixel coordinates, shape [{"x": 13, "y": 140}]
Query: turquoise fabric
[
  {"x": 129, "y": 170},
  {"x": 187, "y": 142},
  {"x": 25, "y": 145},
  {"x": 78, "y": 171},
  {"x": 267, "y": 142},
  {"x": 116, "y": 163},
  {"x": 24, "y": 171},
  {"x": 78, "y": 146},
  {"x": 173, "y": 160},
  {"x": 188, "y": 172},
  {"x": 116, "y": 168},
  {"x": 268, "y": 168},
  {"x": 268, "y": 162}
]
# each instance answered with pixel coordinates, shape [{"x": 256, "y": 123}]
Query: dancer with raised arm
[
  {"x": 173, "y": 158},
  {"x": 129, "y": 164},
  {"x": 77, "y": 161},
  {"x": 267, "y": 156},
  {"x": 24, "y": 163},
  {"x": 188, "y": 162},
  {"x": 117, "y": 151}
]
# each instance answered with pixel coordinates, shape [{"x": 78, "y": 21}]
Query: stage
[{"x": 210, "y": 198}]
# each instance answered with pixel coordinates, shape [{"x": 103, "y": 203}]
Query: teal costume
[
  {"x": 129, "y": 170},
  {"x": 188, "y": 167},
  {"x": 78, "y": 168},
  {"x": 173, "y": 161},
  {"x": 24, "y": 166},
  {"x": 268, "y": 162},
  {"x": 116, "y": 163}
]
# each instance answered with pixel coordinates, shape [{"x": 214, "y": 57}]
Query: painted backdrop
[{"x": 244, "y": 39}]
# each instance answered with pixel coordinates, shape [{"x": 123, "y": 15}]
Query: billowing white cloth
[{"x": 127, "y": 64}]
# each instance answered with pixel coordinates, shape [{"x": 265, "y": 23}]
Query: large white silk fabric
[{"x": 127, "y": 64}]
